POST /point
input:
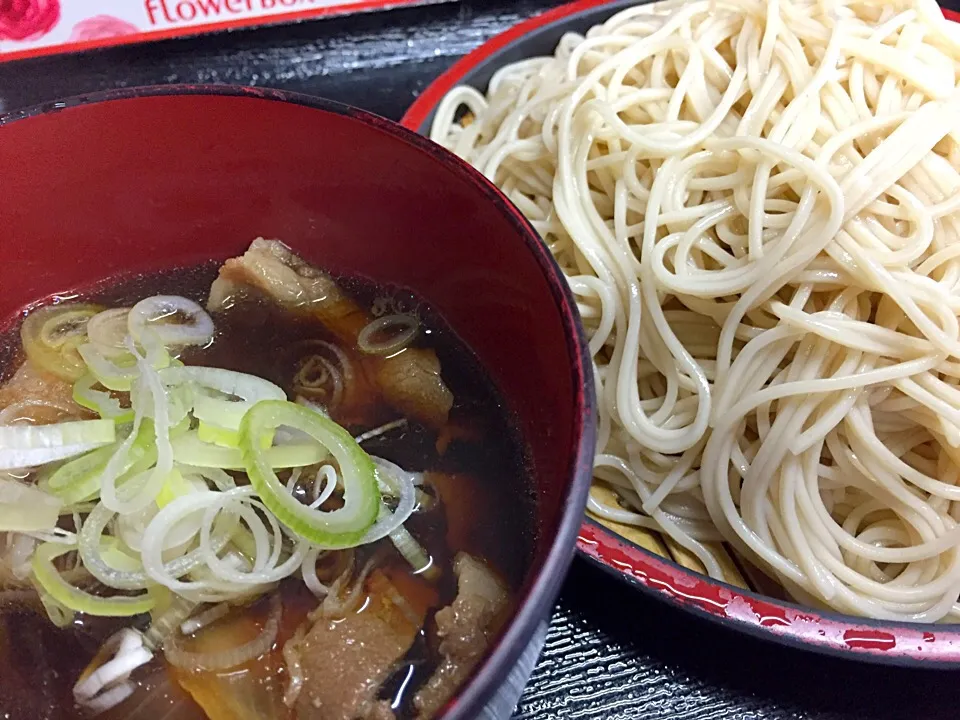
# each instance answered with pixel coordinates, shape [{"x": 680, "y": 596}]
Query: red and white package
[{"x": 41, "y": 27}]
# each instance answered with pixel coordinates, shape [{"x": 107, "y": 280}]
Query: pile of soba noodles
[{"x": 757, "y": 205}]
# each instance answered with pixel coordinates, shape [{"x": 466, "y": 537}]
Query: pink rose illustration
[
  {"x": 27, "y": 19},
  {"x": 101, "y": 26}
]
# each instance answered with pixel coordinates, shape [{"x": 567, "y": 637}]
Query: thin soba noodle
[{"x": 757, "y": 205}]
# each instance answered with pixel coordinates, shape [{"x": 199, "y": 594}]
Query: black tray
[{"x": 611, "y": 653}]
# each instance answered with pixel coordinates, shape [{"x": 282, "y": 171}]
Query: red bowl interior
[
  {"x": 152, "y": 179},
  {"x": 764, "y": 617}
]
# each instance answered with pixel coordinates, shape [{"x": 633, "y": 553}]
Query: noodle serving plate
[
  {"x": 759, "y": 615},
  {"x": 146, "y": 179}
]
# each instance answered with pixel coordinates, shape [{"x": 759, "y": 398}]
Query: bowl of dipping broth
[{"x": 296, "y": 417}]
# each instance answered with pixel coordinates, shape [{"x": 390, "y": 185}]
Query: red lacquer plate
[{"x": 764, "y": 617}]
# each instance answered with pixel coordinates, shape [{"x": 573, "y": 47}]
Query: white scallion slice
[
  {"x": 107, "y": 330},
  {"x": 32, "y": 445},
  {"x": 79, "y": 600},
  {"x": 50, "y": 336},
  {"x": 159, "y": 313},
  {"x": 122, "y": 578},
  {"x": 215, "y": 387},
  {"x": 118, "y": 373},
  {"x": 399, "y": 483},
  {"x": 24, "y": 508},
  {"x": 189, "y": 449},
  {"x": 388, "y": 334},
  {"x": 100, "y": 401}
]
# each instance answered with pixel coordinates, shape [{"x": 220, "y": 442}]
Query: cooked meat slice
[
  {"x": 409, "y": 382},
  {"x": 275, "y": 270},
  {"x": 344, "y": 659},
  {"x": 39, "y": 397},
  {"x": 466, "y": 629}
]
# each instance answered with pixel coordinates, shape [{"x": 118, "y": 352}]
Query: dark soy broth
[{"x": 477, "y": 476}]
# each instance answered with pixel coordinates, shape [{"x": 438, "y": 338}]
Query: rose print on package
[
  {"x": 99, "y": 27},
  {"x": 27, "y": 19}
]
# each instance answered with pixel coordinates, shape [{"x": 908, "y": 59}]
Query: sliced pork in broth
[
  {"x": 359, "y": 641},
  {"x": 465, "y": 630},
  {"x": 38, "y": 397},
  {"x": 409, "y": 381}
]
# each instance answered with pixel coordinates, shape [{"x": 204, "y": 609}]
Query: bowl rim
[
  {"x": 780, "y": 621},
  {"x": 540, "y": 590}
]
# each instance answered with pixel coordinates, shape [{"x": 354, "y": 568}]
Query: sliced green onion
[
  {"x": 76, "y": 599},
  {"x": 245, "y": 544},
  {"x": 50, "y": 336},
  {"x": 142, "y": 489},
  {"x": 166, "y": 621},
  {"x": 64, "y": 327},
  {"x": 414, "y": 553},
  {"x": 79, "y": 479},
  {"x": 180, "y": 402},
  {"x": 78, "y": 470},
  {"x": 59, "y": 615},
  {"x": 388, "y": 334},
  {"x": 116, "y": 557},
  {"x": 100, "y": 401},
  {"x": 91, "y": 545},
  {"x": 340, "y": 528},
  {"x": 221, "y": 411},
  {"x": 24, "y": 508},
  {"x": 220, "y": 479},
  {"x": 224, "y": 437},
  {"x": 392, "y": 480},
  {"x": 108, "y": 331},
  {"x": 189, "y": 449},
  {"x": 74, "y": 432},
  {"x": 118, "y": 373},
  {"x": 153, "y": 313},
  {"x": 181, "y": 427},
  {"x": 132, "y": 526},
  {"x": 17, "y": 458},
  {"x": 32, "y": 445},
  {"x": 218, "y": 435},
  {"x": 176, "y": 486}
]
